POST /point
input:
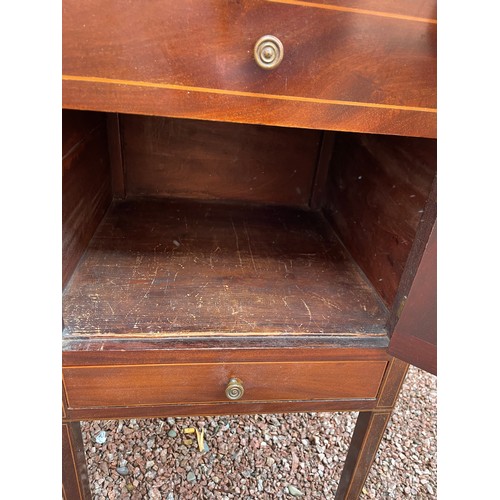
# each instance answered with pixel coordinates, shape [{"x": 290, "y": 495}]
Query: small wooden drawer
[
  {"x": 156, "y": 385},
  {"x": 343, "y": 68}
]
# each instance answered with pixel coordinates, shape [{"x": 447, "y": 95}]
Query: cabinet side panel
[
  {"x": 86, "y": 183},
  {"x": 415, "y": 335},
  {"x": 219, "y": 161},
  {"x": 376, "y": 193}
]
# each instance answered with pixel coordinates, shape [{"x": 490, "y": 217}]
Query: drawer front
[
  {"x": 348, "y": 66},
  {"x": 155, "y": 385}
]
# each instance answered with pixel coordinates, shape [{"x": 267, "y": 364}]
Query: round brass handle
[
  {"x": 268, "y": 52},
  {"x": 234, "y": 389}
]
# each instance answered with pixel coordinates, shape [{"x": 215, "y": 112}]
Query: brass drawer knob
[
  {"x": 268, "y": 52},
  {"x": 234, "y": 389}
]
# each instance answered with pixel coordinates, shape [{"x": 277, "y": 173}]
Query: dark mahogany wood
[
  {"x": 188, "y": 383},
  {"x": 118, "y": 351},
  {"x": 376, "y": 195},
  {"x": 75, "y": 485},
  {"x": 178, "y": 268},
  {"x": 368, "y": 433},
  {"x": 225, "y": 161},
  {"x": 341, "y": 70},
  {"x": 316, "y": 244},
  {"x": 416, "y": 343},
  {"x": 144, "y": 99},
  {"x": 76, "y": 128},
  {"x": 391, "y": 385},
  {"x": 415, "y": 335},
  {"x": 116, "y": 155},
  {"x": 323, "y": 167},
  {"x": 197, "y": 410},
  {"x": 86, "y": 183},
  {"x": 390, "y": 61},
  {"x": 423, "y": 9},
  {"x": 365, "y": 441}
]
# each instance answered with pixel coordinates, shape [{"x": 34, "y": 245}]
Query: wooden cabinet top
[{"x": 349, "y": 66}]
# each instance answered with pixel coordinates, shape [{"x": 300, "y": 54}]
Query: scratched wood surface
[
  {"x": 163, "y": 267},
  {"x": 211, "y": 160}
]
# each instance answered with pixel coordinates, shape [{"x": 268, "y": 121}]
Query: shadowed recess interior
[{"x": 189, "y": 228}]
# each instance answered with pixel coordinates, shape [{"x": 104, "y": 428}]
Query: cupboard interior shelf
[{"x": 174, "y": 268}]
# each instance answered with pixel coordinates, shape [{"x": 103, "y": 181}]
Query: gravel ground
[{"x": 264, "y": 456}]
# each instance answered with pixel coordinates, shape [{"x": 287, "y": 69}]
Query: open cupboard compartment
[{"x": 176, "y": 228}]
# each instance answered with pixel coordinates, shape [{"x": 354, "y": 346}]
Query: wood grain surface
[
  {"x": 368, "y": 433},
  {"x": 391, "y": 385},
  {"x": 75, "y": 482},
  {"x": 90, "y": 352},
  {"x": 418, "y": 10},
  {"x": 86, "y": 183},
  {"x": 415, "y": 335},
  {"x": 369, "y": 72},
  {"x": 163, "y": 267},
  {"x": 163, "y": 100},
  {"x": 369, "y": 430},
  {"x": 76, "y": 127},
  {"x": 144, "y": 385},
  {"x": 166, "y": 299},
  {"x": 115, "y": 149},
  {"x": 226, "y": 161},
  {"x": 375, "y": 197},
  {"x": 211, "y": 409}
]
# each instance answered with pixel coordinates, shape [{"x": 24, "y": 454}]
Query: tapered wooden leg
[
  {"x": 368, "y": 433},
  {"x": 75, "y": 482}
]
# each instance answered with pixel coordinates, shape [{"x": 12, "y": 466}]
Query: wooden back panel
[
  {"x": 375, "y": 197},
  {"x": 86, "y": 183},
  {"x": 208, "y": 160}
]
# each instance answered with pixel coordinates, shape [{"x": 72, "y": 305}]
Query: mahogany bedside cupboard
[{"x": 249, "y": 211}]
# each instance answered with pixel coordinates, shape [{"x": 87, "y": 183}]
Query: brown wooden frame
[{"x": 379, "y": 88}]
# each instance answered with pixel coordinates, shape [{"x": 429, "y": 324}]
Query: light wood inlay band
[
  {"x": 227, "y": 363},
  {"x": 356, "y": 11},
  {"x": 133, "y": 83}
]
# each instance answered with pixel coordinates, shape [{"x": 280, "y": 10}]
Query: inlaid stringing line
[
  {"x": 238, "y": 93},
  {"x": 354, "y": 10}
]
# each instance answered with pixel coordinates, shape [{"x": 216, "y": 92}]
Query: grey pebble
[
  {"x": 101, "y": 437},
  {"x": 294, "y": 491},
  {"x": 171, "y": 421},
  {"x": 172, "y": 433},
  {"x": 191, "y": 477},
  {"x": 123, "y": 471}
]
